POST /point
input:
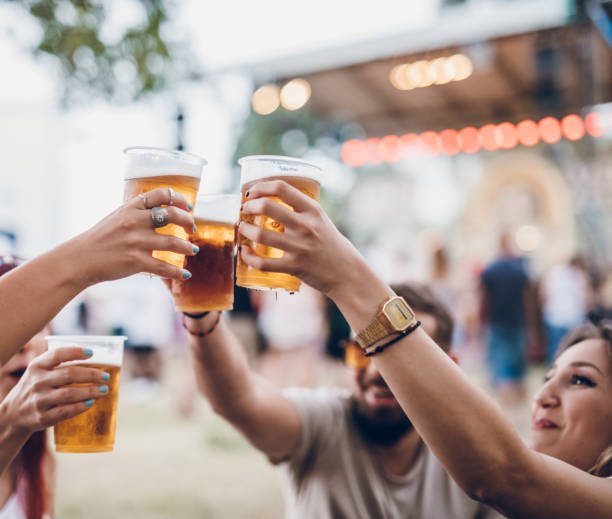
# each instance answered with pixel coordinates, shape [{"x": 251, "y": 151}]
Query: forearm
[
  {"x": 11, "y": 439},
  {"x": 32, "y": 294},
  {"x": 446, "y": 408},
  {"x": 252, "y": 404},
  {"x": 221, "y": 366}
]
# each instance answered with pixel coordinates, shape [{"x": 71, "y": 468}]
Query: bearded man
[{"x": 340, "y": 454}]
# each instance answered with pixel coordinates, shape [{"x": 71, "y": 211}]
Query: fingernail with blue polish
[
  {"x": 88, "y": 352},
  {"x": 104, "y": 389},
  {"x": 105, "y": 376},
  {"x": 186, "y": 274},
  {"x": 189, "y": 206},
  {"x": 196, "y": 249},
  {"x": 195, "y": 228},
  {"x": 89, "y": 402}
]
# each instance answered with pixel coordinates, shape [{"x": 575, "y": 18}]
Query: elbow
[{"x": 498, "y": 486}]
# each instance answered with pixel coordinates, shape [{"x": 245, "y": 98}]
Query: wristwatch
[{"x": 394, "y": 316}]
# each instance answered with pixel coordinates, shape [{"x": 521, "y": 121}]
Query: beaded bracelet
[
  {"x": 373, "y": 350},
  {"x": 202, "y": 334}
]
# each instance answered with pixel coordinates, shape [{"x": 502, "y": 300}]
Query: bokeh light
[
  {"x": 550, "y": 130},
  {"x": 573, "y": 127},
  {"x": 528, "y": 133},
  {"x": 265, "y": 99},
  {"x": 295, "y": 94},
  {"x": 528, "y": 238}
]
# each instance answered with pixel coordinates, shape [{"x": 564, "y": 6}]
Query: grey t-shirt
[{"x": 333, "y": 475}]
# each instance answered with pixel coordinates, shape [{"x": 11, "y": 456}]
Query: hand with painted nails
[
  {"x": 44, "y": 393},
  {"x": 118, "y": 246},
  {"x": 314, "y": 250},
  {"x": 122, "y": 243}
]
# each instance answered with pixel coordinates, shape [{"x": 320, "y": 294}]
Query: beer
[
  {"x": 94, "y": 429},
  {"x": 211, "y": 286},
  {"x": 302, "y": 175},
  {"x": 150, "y": 168}
]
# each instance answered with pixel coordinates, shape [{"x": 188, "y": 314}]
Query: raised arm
[
  {"x": 460, "y": 423},
  {"x": 118, "y": 246},
  {"x": 248, "y": 401}
]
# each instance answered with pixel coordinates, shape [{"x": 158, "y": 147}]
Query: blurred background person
[
  {"x": 340, "y": 454},
  {"x": 567, "y": 297},
  {"x": 506, "y": 313}
]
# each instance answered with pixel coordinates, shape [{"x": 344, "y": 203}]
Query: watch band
[{"x": 375, "y": 331}]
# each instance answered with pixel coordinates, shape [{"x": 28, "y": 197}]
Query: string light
[
  {"x": 490, "y": 137},
  {"x": 439, "y": 71}
]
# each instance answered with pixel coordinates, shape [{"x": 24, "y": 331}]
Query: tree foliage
[{"x": 96, "y": 60}]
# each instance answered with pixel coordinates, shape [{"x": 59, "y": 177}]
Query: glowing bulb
[
  {"x": 418, "y": 74},
  {"x": 439, "y": 71},
  {"x": 265, "y": 99},
  {"x": 463, "y": 66},
  {"x": 399, "y": 77},
  {"x": 295, "y": 94}
]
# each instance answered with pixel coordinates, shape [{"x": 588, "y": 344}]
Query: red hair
[{"x": 30, "y": 474}]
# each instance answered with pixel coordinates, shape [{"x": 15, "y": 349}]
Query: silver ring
[
  {"x": 144, "y": 200},
  {"x": 159, "y": 215},
  {"x": 171, "y": 191}
]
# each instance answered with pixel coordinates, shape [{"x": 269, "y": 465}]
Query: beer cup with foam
[
  {"x": 301, "y": 174},
  {"x": 92, "y": 430},
  {"x": 211, "y": 286},
  {"x": 150, "y": 168}
]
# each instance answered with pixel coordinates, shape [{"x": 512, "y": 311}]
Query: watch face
[{"x": 399, "y": 314}]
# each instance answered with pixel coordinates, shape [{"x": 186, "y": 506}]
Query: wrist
[
  {"x": 360, "y": 295},
  {"x": 200, "y": 327},
  {"x": 10, "y": 429}
]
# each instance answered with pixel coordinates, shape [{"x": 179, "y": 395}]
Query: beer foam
[
  {"x": 156, "y": 162},
  {"x": 107, "y": 349},
  {"x": 255, "y": 167},
  {"x": 217, "y": 208}
]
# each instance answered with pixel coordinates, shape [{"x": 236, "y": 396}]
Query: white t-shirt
[{"x": 333, "y": 474}]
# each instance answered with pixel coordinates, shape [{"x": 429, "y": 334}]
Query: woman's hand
[
  {"x": 42, "y": 397},
  {"x": 314, "y": 249},
  {"x": 122, "y": 243}
]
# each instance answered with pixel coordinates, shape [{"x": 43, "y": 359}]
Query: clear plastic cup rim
[
  {"x": 88, "y": 338},
  {"x": 191, "y": 158},
  {"x": 279, "y": 158}
]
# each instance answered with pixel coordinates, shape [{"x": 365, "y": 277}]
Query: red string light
[
  {"x": 469, "y": 139},
  {"x": 573, "y": 127},
  {"x": 450, "y": 142},
  {"x": 431, "y": 142},
  {"x": 550, "y": 130},
  {"x": 490, "y": 137},
  {"x": 354, "y": 153},
  {"x": 390, "y": 148},
  {"x": 594, "y": 124},
  {"x": 528, "y": 133}
]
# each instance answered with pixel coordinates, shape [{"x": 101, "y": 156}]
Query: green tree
[{"x": 96, "y": 62}]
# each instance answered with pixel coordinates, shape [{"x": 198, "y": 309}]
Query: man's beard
[{"x": 382, "y": 427}]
